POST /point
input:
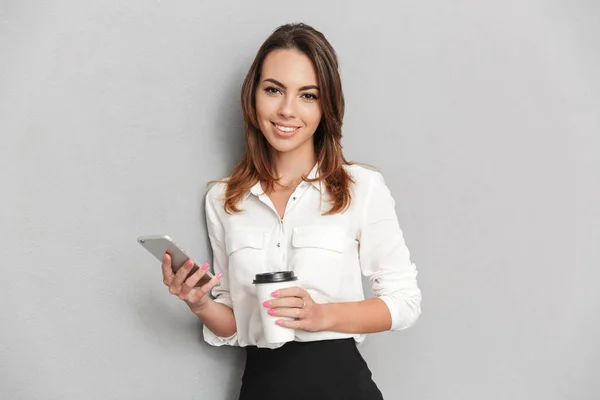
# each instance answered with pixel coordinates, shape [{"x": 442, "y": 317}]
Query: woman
[{"x": 294, "y": 203}]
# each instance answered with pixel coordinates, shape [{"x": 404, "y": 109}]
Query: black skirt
[{"x": 328, "y": 370}]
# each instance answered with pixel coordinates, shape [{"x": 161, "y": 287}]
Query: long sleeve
[
  {"x": 385, "y": 258},
  {"x": 220, "y": 293}
]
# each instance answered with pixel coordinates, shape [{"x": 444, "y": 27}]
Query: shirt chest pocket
[
  {"x": 320, "y": 239},
  {"x": 319, "y": 254},
  {"x": 246, "y": 250}
]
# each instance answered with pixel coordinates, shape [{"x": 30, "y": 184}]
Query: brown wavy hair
[{"x": 256, "y": 164}]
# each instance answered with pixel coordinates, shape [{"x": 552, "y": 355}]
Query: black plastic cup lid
[{"x": 271, "y": 277}]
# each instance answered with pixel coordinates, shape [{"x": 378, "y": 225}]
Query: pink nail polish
[
  {"x": 278, "y": 322},
  {"x": 272, "y": 312},
  {"x": 205, "y": 267},
  {"x": 267, "y": 303},
  {"x": 275, "y": 294},
  {"x": 219, "y": 275}
]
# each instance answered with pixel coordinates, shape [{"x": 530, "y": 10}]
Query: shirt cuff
[{"x": 404, "y": 315}]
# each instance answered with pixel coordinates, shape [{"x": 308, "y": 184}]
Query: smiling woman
[
  {"x": 294, "y": 206},
  {"x": 293, "y": 106}
]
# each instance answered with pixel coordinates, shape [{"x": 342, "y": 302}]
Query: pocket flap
[
  {"x": 322, "y": 237},
  {"x": 238, "y": 240}
]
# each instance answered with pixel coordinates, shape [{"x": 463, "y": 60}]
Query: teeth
[{"x": 285, "y": 129}]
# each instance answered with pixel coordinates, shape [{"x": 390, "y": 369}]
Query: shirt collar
[
  {"x": 314, "y": 173},
  {"x": 257, "y": 189}
]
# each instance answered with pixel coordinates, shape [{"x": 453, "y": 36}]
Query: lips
[
  {"x": 284, "y": 130},
  {"x": 284, "y": 127}
]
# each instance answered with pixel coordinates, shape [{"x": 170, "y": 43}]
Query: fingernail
[
  {"x": 189, "y": 263},
  {"x": 275, "y": 294},
  {"x": 267, "y": 303},
  {"x": 219, "y": 275},
  {"x": 205, "y": 267},
  {"x": 272, "y": 312},
  {"x": 279, "y": 322}
]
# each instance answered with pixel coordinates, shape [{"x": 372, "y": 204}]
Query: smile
[{"x": 287, "y": 129}]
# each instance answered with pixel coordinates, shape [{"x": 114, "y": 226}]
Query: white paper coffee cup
[{"x": 266, "y": 284}]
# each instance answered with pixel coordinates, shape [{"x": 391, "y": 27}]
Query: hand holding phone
[
  {"x": 185, "y": 283},
  {"x": 181, "y": 274}
]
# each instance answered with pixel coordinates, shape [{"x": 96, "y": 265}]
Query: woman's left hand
[{"x": 295, "y": 302}]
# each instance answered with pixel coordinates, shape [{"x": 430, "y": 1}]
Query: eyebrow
[{"x": 307, "y": 87}]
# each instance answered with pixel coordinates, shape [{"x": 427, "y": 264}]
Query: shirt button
[
  {"x": 278, "y": 244},
  {"x": 294, "y": 198}
]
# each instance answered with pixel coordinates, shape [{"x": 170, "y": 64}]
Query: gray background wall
[{"x": 482, "y": 115}]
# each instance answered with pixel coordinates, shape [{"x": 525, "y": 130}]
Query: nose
[{"x": 286, "y": 107}]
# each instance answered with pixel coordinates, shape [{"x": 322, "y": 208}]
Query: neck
[{"x": 290, "y": 167}]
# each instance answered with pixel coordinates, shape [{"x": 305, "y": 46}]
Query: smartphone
[{"x": 158, "y": 245}]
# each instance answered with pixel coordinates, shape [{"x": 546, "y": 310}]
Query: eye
[
  {"x": 272, "y": 90},
  {"x": 310, "y": 96}
]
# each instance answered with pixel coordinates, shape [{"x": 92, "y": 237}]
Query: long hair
[{"x": 256, "y": 164}]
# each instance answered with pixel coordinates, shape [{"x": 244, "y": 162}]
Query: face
[{"x": 288, "y": 106}]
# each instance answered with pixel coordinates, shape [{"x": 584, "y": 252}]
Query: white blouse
[{"x": 327, "y": 253}]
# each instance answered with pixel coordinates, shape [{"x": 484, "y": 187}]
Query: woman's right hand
[{"x": 186, "y": 289}]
